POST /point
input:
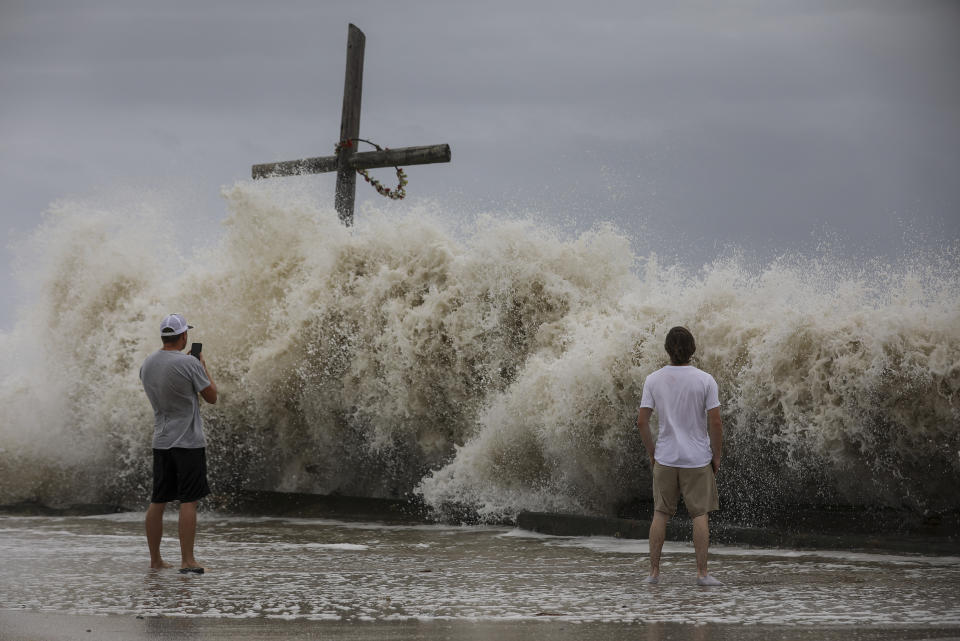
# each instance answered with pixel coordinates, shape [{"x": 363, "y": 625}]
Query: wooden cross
[{"x": 346, "y": 162}]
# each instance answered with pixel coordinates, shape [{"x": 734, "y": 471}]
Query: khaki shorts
[{"x": 698, "y": 485}]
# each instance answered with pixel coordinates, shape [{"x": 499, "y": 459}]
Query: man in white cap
[{"x": 172, "y": 379}]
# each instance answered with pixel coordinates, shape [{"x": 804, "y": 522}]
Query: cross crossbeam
[
  {"x": 359, "y": 160},
  {"x": 347, "y": 160}
]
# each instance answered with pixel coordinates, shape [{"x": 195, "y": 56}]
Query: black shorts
[{"x": 179, "y": 474}]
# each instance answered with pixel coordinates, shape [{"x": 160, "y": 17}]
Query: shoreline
[
  {"x": 280, "y": 577},
  {"x": 809, "y": 528}
]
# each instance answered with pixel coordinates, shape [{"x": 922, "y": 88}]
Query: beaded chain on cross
[{"x": 396, "y": 194}]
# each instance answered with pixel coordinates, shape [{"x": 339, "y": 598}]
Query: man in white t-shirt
[{"x": 686, "y": 456}]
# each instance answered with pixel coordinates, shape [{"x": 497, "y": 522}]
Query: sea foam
[{"x": 496, "y": 369}]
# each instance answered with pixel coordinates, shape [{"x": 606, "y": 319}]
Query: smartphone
[{"x": 195, "y": 349}]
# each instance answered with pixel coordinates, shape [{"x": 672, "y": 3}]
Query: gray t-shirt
[{"x": 172, "y": 381}]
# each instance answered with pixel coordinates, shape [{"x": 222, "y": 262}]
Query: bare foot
[{"x": 160, "y": 565}]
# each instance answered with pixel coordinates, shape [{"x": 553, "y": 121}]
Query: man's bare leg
[
  {"x": 701, "y": 541},
  {"x": 154, "y": 527},
  {"x": 658, "y": 532},
  {"x": 187, "y": 527}
]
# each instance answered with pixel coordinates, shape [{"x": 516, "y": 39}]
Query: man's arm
[
  {"x": 643, "y": 424},
  {"x": 209, "y": 393},
  {"x": 715, "y": 426}
]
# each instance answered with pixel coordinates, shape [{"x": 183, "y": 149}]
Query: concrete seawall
[{"x": 935, "y": 540}]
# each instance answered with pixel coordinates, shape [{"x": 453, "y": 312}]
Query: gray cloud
[{"x": 758, "y": 123}]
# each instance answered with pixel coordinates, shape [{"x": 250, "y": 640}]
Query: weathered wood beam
[
  {"x": 295, "y": 167},
  {"x": 400, "y": 157},
  {"x": 350, "y": 123}
]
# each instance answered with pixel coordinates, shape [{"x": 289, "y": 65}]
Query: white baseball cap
[{"x": 174, "y": 325}]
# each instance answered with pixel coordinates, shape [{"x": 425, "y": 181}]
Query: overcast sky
[{"x": 763, "y": 124}]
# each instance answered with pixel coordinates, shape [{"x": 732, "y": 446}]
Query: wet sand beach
[
  {"x": 58, "y": 627},
  {"x": 286, "y": 578}
]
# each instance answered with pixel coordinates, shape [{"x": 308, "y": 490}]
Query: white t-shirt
[{"x": 681, "y": 396}]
